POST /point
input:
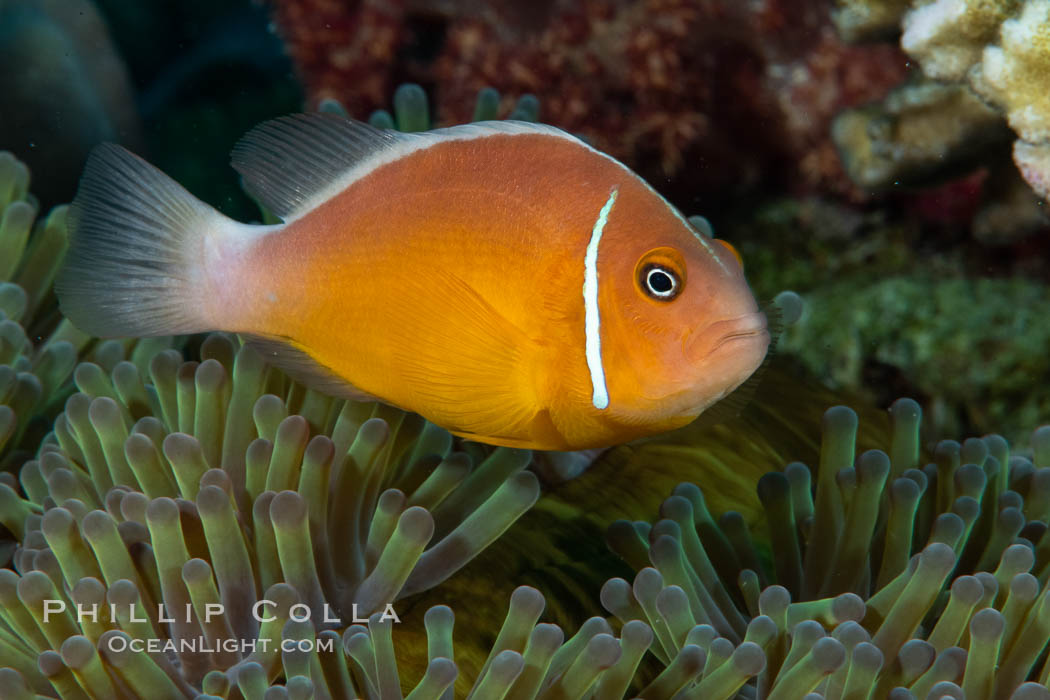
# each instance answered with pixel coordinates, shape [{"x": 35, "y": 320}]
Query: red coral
[
  {"x": 813, "y": 87},
  {"x": 698, "y": 95},
  {"x": 343, "y": 49},
  {"x": 952, "y": 204}
]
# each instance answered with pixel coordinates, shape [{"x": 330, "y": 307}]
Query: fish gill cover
[{"x": 185, "y": 471}]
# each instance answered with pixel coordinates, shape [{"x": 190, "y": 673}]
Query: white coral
[
  {"x": 1033, "y": 160},
  {"x": 948, "y": 36},
  {"x": 1016, "y": 74},
  {"x": 1001, "y": 48}
]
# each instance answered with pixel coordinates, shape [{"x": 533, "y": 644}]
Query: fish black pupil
[{"x": 660, "y": 282}]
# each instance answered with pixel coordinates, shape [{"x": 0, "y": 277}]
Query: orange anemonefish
[{"x": 503, "y": 279}]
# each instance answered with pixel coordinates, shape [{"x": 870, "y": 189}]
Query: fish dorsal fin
[
  {"x": 298, "y": 365},
  {"x": 291, "y": 164},
  {"x": 289, "y": 161}
]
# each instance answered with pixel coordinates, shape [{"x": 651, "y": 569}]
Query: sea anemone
[
  {"x": 30, "y": 372},
  {"x": 217, "y": 480},
  {"x": 39, "y": 349},
  {"x": 883, "y": 577},
  {"x": 527, "y": 660},
  {"x": 195, "y": 484}
]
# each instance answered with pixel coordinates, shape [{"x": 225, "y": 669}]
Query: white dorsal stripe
[
  {"x": 700, "y": 237},
  {"x": 294, "y": 164},
  {"x": 592, "y": 318},
  {"x": 407, "y": 143}
]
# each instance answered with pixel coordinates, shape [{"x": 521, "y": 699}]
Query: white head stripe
[{"x": 592, "y": 320}]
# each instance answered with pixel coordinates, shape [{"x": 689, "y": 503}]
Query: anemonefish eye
[
  {"x": 660, "y": 282},
  {"x": 661, "y": 274}
]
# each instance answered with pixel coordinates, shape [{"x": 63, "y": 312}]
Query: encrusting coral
[
  {"x": 954, "y": 339},
  {"x": 861, "y": 20},
  {"x": 884, "y": 578},
  {"x": 744, "y": 91},
  {"x": 898, "y": 307},
  {"x": 1002, "y": 50}
]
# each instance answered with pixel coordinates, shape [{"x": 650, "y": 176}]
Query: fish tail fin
[{"x": 138, "y": 262}]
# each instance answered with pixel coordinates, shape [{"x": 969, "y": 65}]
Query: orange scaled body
[{"x": 504, "y": 280}]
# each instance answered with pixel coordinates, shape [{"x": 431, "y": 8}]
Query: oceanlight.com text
[{"x": 119, "y": 643}]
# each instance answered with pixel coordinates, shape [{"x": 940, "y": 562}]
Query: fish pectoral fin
[
  {"x": 468, "y": 363},
  {"x": 300, "y": 366}
]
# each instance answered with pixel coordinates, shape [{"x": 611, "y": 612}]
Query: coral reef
[
  {"x": 659, "y": 84},
  {"x": 900, "y": 306},
  {"x": 343, "y": 51},
  {"x": 997, "y": 49},
  {"x": 1002, "y": 49},
  {"x": 865, "y": 20},
  {"x": 884, "y": 578},
  {"x": 949, "y": 38},
  {"x": 218, "y": 481},
  {"x": 970, "y": 345},
  {"x": 918, "y": 134}
]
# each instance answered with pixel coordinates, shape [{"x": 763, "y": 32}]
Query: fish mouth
[{"x": 750, "y": 328}]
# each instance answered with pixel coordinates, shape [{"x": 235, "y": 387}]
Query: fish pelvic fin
[{"x": 142, "y": 252}]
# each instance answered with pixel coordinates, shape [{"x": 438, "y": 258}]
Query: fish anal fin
[{"x": 300, "y": 366}]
